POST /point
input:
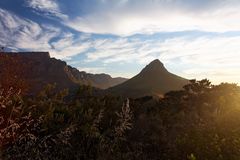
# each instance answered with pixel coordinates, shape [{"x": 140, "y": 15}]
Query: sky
[{"x": 193, "y": 38}]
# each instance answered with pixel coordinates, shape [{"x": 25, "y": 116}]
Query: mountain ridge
[{"x": 43, "y": 69}]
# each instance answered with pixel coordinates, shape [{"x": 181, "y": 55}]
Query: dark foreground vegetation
[{"x": 200, "y": 122}]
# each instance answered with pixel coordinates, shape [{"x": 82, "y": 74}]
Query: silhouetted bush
[{"x": 199, "y": 122}]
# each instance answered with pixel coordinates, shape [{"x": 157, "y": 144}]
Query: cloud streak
[
  {"x": 144, "y": 16},
  {"x": 20, "y": 33},
  {"x": 128, "y": 17},
  {"x": 49, "y": 8}
]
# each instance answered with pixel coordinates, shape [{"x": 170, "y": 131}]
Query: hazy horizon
[{"x": 194, "y": 39}]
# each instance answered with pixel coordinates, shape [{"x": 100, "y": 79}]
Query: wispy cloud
[
  {"x": 144, "y": 16},
  {"x": 48, "y": 8},
  {"x": 125, "y": 17},
  {"x": 124, "y": 50},
  {"x": 68, "y": 46},
  {"x": 20, "y": 33}
]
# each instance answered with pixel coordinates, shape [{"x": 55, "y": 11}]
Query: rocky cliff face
[{"x": 41, "y": 70}]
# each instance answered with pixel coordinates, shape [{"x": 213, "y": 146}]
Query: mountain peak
[
  {"x": 154, "y": 65},
  {"x": 156, "y": 62},
  {"x": 153, "y": 80}
]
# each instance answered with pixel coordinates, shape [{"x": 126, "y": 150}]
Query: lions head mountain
[
  {"x": 153, "y": 80},
  {"x": 39, "y": 69}
]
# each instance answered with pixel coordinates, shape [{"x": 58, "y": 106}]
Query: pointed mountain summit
[
  {"x": 154, "y": 66},
  {"x": 153, "y": 80}
]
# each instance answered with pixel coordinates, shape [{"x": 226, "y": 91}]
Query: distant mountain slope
[
  {"x": 102, "y": 81},
  {"x": 154, "y": 80},
  {"x": 41, "y": 70}
]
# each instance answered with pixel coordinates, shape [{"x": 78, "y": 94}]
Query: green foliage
[
  {"x": 57, "y": 128},
  {"x": 199, "y": 122},
  {"x": 191, "y": 157}
]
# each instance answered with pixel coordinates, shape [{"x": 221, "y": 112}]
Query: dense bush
[{"x": 202, "y": 121}]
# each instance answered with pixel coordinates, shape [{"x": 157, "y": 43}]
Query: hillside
[{"x": 153, "y": 80}]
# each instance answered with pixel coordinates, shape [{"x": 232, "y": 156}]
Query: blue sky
[{"x": 193, "y": 38}]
